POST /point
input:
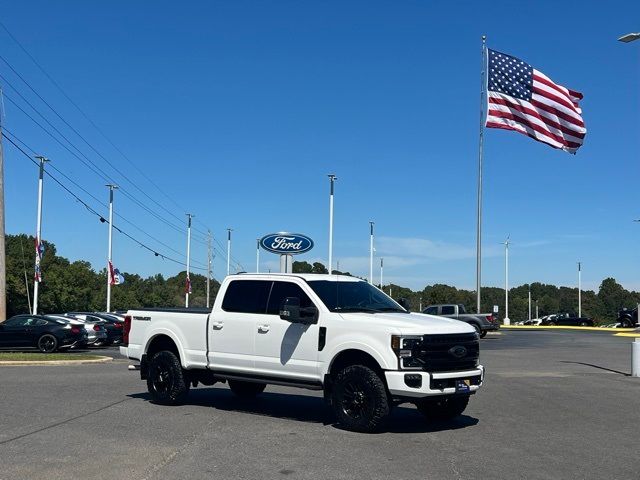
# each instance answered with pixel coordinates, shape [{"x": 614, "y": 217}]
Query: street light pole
[
  {"x": 37, "y": 276},
  {"x": 208, "y": 267},
  {"x": 506, "y": 283},
  {"x": 381, "y": 270},
  {"x": 579, "y": 290},
  {"x": 188, "y": 289},
  {"x": 110, "y": 278},
  {"x": 529, "y": 302},
  {"x": 371, "y": 254},
  {"x": 229, "y": 230},
  {"x": 332, "y": 179},
  {"x": 257, "y": 255}
]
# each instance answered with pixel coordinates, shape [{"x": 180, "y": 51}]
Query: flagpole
[
  {"x": 371, "y": 254},
  {"x": 480, "y": 155},
  {"x": 109, "y": 252},
  {"x": 36, "y": 281},
  {"x": 332, "y": 179}
]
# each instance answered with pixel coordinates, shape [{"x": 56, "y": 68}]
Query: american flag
[{"x": 524, "y": 99}]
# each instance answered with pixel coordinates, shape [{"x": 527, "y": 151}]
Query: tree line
[{"x": 75, "y": 286}]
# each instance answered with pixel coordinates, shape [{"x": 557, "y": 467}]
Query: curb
[
  {"x": 560, "y": 327},
  {"x": 629, "y": 334},
  {"x": 25, "y": 363}
]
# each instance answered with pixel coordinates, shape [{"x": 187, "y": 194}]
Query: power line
[
  {"x": 102, "y": 173},
  {"x": 94, "y": 212}
]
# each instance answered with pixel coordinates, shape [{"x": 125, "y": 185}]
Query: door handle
[
  {"x": 217, "y": 325},
  {"x": 263, "y": 328}
]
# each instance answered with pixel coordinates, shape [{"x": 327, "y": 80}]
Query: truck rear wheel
[
  {"x": 359, "y": 399},
  {"x": 166, "y": 381},
  {"x": 246, "y": 389},
  {"x": 442, "y": 407}
]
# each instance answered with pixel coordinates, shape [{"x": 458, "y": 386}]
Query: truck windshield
[{"x": 353, "y": 297}]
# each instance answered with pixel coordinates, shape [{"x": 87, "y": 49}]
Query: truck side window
[
  {"x": 432, "y": 311},
  {"x": 246, "y": 296},
  {"x": 282, "y": 290},
  {"x": 448, "y": 310}
]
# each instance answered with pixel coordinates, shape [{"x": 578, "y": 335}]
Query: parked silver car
[{"x": 97, "y": 333}]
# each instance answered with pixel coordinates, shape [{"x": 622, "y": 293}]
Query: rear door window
[
  {"x": 282, "y": 290},
  {"x": 247, "y": 296}
]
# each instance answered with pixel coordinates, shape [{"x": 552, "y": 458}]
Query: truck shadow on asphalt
[{"x": 310, "y": 409}]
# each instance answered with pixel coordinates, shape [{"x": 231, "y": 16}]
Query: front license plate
[{"x": 462, "y": 386}]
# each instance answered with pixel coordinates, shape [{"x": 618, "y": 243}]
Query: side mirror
[
  {"x": 290, "y": 309},
  {"x": 292, "y": 312},
  {"x": 404, "y": 303}
]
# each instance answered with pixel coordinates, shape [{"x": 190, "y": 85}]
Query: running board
[{"x": 310, "y": 385}]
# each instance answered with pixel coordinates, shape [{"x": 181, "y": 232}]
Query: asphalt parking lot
[{"x": 555, "y": 405}]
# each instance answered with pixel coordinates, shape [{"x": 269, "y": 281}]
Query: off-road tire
[
  {"x": 626, "y": 323},
  {"x": 166, "y": 380},
  {"x": 47, "y": 343},
  {"x": 442, "y": 408},
  {"x": 477, "y": 327},
  {"x": 483, "y": 333},
  {"x": 246, "y": 389},
  {"x": 359, "y": 399}
]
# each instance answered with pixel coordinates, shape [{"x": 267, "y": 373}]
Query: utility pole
[
  {"x": 371, "y": 253},
  {"x": 110, "y": 278},
  {"x": 332, "y": 179},
  {"x": 38, "y": 275},
  {"x": 381, "y": 269},
  {"x": 537, "y": 316},
  {"x": 257, "y": 255},
  {"x": 507, "y": 321},
  {"x": 579, "y": 289},
  {"x": 3, "y": 259},
  {"x": 529, "y": 301},
  {"x": 208, "y": 266},
  {"x": 229, "y": 230},
  {"x": 187, "y": 290}
]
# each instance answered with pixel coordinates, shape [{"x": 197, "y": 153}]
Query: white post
[
  {"x": 229, "y": 230},
  {"x": 507, "y": 321},
  {"x": 529, "y": 302},
  {"x": 635, "y": 358},
  {"x": 208, "y": 267},
  {"x": 381, "y": 271},
  {"x": 257, "y": 255},
  {"x": 537, "y": 316},
  {"x": 579, "y": 289},
  {"x": 110, "y": 247},
  {"x": 36, "y": 282},
  {"x": 332, "y": 179},
  {"x": 186, "y": 294},
  {"x": 420, "y": 308},
  {"x": 371, "y": 254}
]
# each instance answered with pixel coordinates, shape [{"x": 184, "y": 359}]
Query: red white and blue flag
[
  {"x": 187, "y": 287},
  {"x": 115, "y": 277},
  {"x": 39, "y": 252},
  {"x": 524, "y": 99}
]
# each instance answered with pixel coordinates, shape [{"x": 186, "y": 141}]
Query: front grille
[{"x": 437, "y": 353}]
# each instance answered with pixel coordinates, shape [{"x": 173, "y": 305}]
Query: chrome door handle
[
  {"x": 263, "y": 328},
  {"x": 217, "y": 325}
]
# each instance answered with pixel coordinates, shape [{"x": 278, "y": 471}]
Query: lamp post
[
  {"x": 37, "y": 276},
  {"x": 229, "y": 230},
  {"x": 332, "y": 179},
  {"x": 188, "y": 286},
  {"x": 506, "y": 283},
  {"x": 257, "y": 255},
  {"x": 579, "y": 290},
  {"x": 110, "y": 280},
  {"x": 371, "y": 224},
  {"x": 381, "y": 271}
]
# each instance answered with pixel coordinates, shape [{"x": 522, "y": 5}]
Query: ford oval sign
[{"x": 286, "y": 243}]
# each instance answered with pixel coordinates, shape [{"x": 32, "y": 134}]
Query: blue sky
[{"x": 238, "y": 110}]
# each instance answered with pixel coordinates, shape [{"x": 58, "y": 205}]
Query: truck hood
[{"x": 410, "y": 323}]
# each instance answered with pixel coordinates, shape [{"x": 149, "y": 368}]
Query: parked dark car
[
  {"x": 113, "y": 325},
  {"x": 567, "y": 319},
  {"x": 36, "y": 331},
  {"x": 628, "y": 318},
  {"x": 483, "y": 322}
]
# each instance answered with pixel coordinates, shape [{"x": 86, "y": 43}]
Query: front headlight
[{"x": 405, "y": 349}]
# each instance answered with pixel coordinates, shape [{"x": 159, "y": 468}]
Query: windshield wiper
[{"x": 356, "y": 309}]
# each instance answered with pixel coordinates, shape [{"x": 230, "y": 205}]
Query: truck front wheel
[
  {"x": 442, "y": 407},
  {"x": 166, "y": 381},
  {"x": 359, "y": 399}
]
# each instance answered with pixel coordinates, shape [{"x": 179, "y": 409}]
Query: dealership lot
[{"x": 555, "y": 405}]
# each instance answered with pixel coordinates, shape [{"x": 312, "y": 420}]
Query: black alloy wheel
[
  {"x": 359, "y": 399},
  {"x": 166, "y": 380},
  {"x": 47, "y": 343}
]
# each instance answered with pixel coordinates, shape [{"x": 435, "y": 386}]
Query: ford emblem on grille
[{"x": 458, "y": 351}]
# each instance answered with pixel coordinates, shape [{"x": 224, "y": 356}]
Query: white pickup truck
[{"x": 323, "y": 332}]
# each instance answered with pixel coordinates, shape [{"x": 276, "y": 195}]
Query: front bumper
[{"x": 431, "y": 384}]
